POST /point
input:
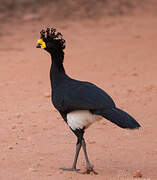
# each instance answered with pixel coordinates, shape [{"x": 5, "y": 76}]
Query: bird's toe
[
  {"x": 89, "y": 170},
  {"x": 70, "y": 169}
]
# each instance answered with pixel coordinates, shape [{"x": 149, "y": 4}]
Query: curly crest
[{"x": 50, "y": 35}]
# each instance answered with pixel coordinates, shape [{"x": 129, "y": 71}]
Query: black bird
[{"x": 79, "y": 103}]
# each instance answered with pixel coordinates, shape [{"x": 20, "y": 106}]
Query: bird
[{"x": 79, "y": 103}]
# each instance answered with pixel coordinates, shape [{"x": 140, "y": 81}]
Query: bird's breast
[{"x": 58, "y": 101}]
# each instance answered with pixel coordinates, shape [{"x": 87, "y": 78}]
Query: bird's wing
[{"x": 86, "y": 96}]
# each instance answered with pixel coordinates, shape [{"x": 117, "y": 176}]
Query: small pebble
[
  {"x": 137, "y": 174},
  {"x": 18, "y": 115},
  {"x": 91, "y": 142},
  {"x": 10, "y": 147},
  {"x": 134, "y": 74}
]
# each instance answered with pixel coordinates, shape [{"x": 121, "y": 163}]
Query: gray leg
[
  {"x": 78, "y": 147},
  {"x": 79, "y": 133},
  {"x": 89, "y": 165},
  {"x": 85, "y": 153}
]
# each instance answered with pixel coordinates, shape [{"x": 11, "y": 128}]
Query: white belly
[{"x": 81, "y": 119}]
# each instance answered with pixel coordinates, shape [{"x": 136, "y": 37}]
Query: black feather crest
[{"x": 50, "y": 34}]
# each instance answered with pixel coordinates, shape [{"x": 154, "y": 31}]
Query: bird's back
[{"x": 79, "y": 95}]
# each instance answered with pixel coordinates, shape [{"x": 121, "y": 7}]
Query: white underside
[{"x": 81, "y": 119}]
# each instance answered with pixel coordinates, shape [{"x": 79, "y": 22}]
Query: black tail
[{"x": 121, "y": 118}]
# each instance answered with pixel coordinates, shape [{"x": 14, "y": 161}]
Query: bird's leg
[
  {"x": 89, "y": 167},
  {"x": 85, "y": 153},
  {"x": 79, "y": 134},
  {"x": 78, "y": 147}
]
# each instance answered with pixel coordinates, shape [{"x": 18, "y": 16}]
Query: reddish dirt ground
[{"x": 119, "y": 55}]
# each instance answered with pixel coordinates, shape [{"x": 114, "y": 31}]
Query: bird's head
[{"x": 51, "y": 41}]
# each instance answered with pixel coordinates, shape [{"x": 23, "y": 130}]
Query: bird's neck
[{"x": 57, "y": 72}]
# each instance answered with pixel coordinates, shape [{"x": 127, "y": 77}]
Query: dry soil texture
[{"x": 119, "y": 55}]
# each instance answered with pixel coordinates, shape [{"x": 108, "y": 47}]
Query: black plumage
[{"x": 69, "y": 95}]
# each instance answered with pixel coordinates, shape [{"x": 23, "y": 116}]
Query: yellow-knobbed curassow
[{"x": 79, "y": 103}]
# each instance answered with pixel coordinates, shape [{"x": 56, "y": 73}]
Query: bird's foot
[
  {"x": 90, "y": 169},
  {"x": 70, "y": 169}
]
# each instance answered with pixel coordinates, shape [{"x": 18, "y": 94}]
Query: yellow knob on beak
[{"x": 41, "y": 44}]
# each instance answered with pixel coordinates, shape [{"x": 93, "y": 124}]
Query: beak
[
  {"x": 41, "y": 44},
  {"x": 38, "y": 46}
]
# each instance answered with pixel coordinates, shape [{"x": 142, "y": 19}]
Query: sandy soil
[{"x": 119, "y": 55}]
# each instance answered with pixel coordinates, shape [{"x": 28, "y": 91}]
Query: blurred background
[
  {"x": 110, "y": 43},
  {"x": 71, "y": 8}
]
